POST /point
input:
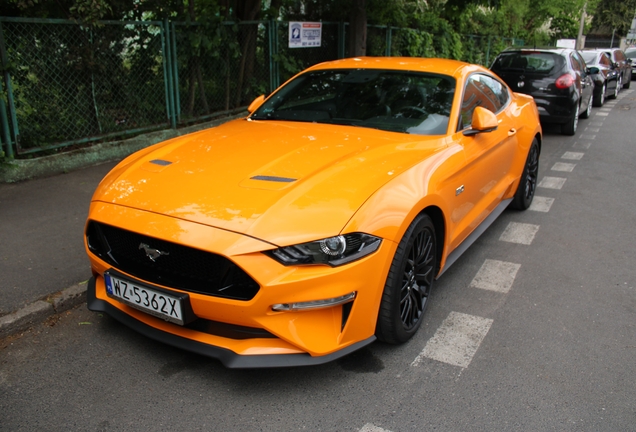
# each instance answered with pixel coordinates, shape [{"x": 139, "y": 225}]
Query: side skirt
[{"x": 459, "y": 250}]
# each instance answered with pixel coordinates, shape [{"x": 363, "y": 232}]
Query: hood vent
[{"x": 273, "y": 178}]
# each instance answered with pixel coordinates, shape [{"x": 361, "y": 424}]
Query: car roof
[
  {"x": 561, "y": 51},
  {"x": 419, "y": 64}
]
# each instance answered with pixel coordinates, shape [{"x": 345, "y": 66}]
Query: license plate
[{"x": 140, "y": 296}]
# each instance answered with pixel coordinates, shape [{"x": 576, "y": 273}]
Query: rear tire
[
  {"x": 570, "y": 127},
  {"x": 528, "y": 183},
  {"x": 409, "y": 283}
]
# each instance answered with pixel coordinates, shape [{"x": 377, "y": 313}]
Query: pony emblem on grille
[{"x": 151, "y": 253}]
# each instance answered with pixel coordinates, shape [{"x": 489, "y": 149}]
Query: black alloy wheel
[
  {"x": 528, "y": 184},
  {"x": 617, "y": 89},
  {"x": 409, "y": 283},
  {"x": 599, "y": 99}
]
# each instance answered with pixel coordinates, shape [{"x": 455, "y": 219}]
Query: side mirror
[
  {"x": 483, "y": 120},
  {"x": 593, "y": 70},
  {"x": 255, "y": 104}
]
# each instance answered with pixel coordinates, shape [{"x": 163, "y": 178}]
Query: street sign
[{"x": 304, "y": 34}]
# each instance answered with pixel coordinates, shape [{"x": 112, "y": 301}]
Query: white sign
[
  {"x": 304, "y": 34},
  {"x": 566, "y": 43}
]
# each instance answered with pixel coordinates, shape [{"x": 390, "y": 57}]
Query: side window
[
  {"x": 605, "y": 61},
  {"x": 576, "y": 64},
  {"x": 619, "y": 56},
  {"x": 484, "y": 91},
  {"x": 579, "y": 59}
]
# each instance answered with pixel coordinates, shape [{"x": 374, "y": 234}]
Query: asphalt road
[{"x": 550, "y": 294}]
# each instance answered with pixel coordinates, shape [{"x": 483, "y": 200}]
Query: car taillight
[{"x": 564, "y": 81}]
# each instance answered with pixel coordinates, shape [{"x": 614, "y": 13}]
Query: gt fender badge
[
  {"x": 151, "y": 253},
  {"x": 520, "y": 84}
]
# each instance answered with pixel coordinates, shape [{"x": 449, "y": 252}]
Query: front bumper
[
  {"x": 229, "y": 358},
  {"x": 250, "y": 333}
]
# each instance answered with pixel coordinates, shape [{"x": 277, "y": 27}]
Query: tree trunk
[
  {"x": 358, "y": 29},
  {"x": 247, "y": 10}
]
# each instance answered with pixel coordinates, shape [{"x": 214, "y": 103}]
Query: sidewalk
[{"x": 41, "y": 242}]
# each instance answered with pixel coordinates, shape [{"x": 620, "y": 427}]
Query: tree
[{"x": 613, "y": 15}]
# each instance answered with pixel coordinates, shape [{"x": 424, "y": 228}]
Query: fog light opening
[{"x": 314, "y": 304}]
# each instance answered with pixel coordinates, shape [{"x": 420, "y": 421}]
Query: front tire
[
  {"x": 409, "y": 283},
  {"x": 599, "y": 99},
  {"x": 528, "y": 184},
  {"x": 588, "y": 110}
]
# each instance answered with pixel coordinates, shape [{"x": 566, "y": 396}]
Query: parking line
[
  {"x": 552, "y": 182},
  {"x": 371, "y": 428},
  {"x": 496, "y": 276},
  {"x": 562, "y": 166},
  {"x": 582, "y": 145},
  {"x": 602, "y": 114},
  {"x": 456, "y": 341},
  {"x": 519, "y": 233},
  {"x": 541, "y": 204},
  {"x": 588, "y": 137},
  {"x": 573, "y": 155}
]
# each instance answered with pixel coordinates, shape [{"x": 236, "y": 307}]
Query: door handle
[{"x": 512, "y": 131}]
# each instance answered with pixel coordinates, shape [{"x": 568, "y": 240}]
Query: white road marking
[
  {"x": 552, "y": 182},
  {"x": 596, "y": 123},
  {"x": 573, "y": 155},
  {"x": 541, "y": 204},
  {"x": 582, "y": 145},
  {"x": 562, "y": 166},
  {"x": 607, "y": 108},
  {"x": 592, "y": 129},
  {"x": 457, "y": 340},
  {"x": 603, "y": 114},
  {"x": 588, "y": 137},
  {"x": 519, "y": 233},
  {"x": 496, "y": 276},
  {"x": 371, "y": 428}
]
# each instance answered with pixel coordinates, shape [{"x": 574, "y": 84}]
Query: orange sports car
[{"x": 318, "y": 223}]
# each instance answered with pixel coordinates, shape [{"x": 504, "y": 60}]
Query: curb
[{"x": 42, "y": 309}]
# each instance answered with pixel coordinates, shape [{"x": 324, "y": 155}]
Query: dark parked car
[
  {"x": 557, "y": 78},
  {"x": 604, "y": 75},
  {"x": 630, "y": 53},
  {"x": 623, "y": 65}
]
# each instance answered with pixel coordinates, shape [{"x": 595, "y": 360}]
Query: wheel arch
[{"x": 437, "y": 216}]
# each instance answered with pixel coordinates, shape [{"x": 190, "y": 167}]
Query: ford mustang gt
[{"x": 320, "y": 221}]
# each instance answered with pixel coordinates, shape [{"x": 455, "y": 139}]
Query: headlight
[{"x": 333, "y": 251}]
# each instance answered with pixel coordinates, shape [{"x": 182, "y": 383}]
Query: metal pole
[
  {"x": 5, "y": 124},
  {"x": 579, "y": 38},
  {"x": 7, "y": 78},
  {"x": 167, "y": 71},
  {"x": 175, "y": 73}
]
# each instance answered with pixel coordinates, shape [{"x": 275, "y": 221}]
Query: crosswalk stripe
[
  {"x": 520, "y": 233},
  {"x": 456, "y": 341},
  {"x": 496, "y": 275}
]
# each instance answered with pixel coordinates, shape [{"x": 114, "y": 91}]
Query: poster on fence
[{"x": 304, "y": 34}]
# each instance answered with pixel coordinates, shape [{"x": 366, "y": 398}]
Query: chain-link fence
[{"x": 65, "y": 84}]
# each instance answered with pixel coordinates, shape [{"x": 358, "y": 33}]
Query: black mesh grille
[{"x": 178, "y": 266}]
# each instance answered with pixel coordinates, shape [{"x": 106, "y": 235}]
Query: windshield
[
  {"x": 589, "y": 57},
  {"x": 396, "y": 101},
  {"x": 531, "y": 61}
]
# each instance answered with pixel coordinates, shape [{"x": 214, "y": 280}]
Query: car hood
[{"x": 281, "y": 182}]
